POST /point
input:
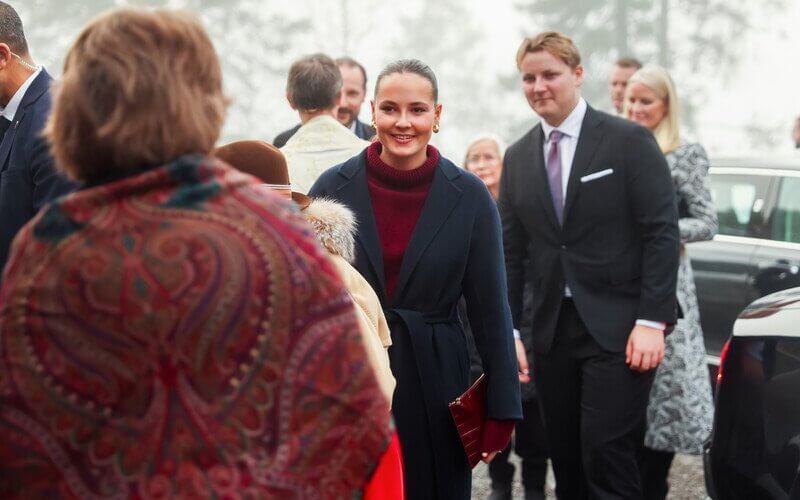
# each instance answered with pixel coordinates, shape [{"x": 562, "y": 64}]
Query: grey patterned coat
[{"x": 681, "y": 409}]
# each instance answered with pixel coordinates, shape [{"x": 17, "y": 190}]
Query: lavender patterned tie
[{"x": 553, "y": 166}]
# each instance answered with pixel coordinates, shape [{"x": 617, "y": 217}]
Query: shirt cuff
[
  {"x": 658, "y": 325},
  {"x": 516, "y": 334}
]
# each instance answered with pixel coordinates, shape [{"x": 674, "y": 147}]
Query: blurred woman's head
[
  {"x": 140, "y": 88},
  {"x": 651, "y": 101},
  {"x": 406, "y": 112},
  {"x": 484, "y": 158}
]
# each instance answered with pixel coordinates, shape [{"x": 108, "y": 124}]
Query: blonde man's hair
[
  {"x": 140, "y": 88},
  {"x": 657, "y": 79},
  {"x": 557, "y": 44}
]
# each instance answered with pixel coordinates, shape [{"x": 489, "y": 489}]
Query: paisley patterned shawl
[{"x": 179, "y": 333}]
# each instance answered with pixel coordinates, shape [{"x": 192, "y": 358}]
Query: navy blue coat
[
  {"x": 28, "y": 178},
  {"x": 455, "y": 249}
]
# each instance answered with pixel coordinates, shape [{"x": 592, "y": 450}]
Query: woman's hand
[
  {"x": 522, "y": 360},
  {"x": 488, "y": 457}
]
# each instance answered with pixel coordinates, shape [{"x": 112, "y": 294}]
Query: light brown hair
[
  {"x": 557, "y": 44},
  {"x": 140, "y": 88},
  {"x": 628, "y": 62},
  {"x": 352, "y": 63},
  {"x": 314, "y": 83}
]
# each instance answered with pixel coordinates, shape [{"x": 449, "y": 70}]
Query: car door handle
[{"x": 782, "y": 269}]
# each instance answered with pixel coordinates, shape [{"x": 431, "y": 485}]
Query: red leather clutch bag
[{"x": 469, "y": 414}]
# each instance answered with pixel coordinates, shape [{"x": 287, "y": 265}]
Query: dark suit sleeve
[
  {"x": 280, "y": 140},
  {"x": 656, "y": 215},
  {"x": 485, "y": 292},
  {"x": 47, "y": 183},
  {"x": 515, "y": 240}
]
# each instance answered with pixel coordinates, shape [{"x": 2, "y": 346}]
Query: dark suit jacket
[
  {"x": 455, "y": 250},
  {"x": 363, "y": 131},
  {"x": 282, "y": 138},
  {"x": 28, "y": 178},
  {"x": 618, "y": 247}
]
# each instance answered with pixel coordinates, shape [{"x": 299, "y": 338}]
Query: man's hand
[
  {"x": 522, "y": 359},
  {"x": 645, "y": 348}
]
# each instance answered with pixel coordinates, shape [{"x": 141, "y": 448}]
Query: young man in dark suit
[
  {"x": 27, "y": 177},
  {"x": 588, "y": 198},
  {"x": 354, "y": 91}
]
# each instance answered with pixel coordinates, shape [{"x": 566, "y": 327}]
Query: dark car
[
  {"x": 754, "y": 451},
  {"x": 757, "y": 250}
]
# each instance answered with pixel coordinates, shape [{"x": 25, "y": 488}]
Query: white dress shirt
[
  {"x": 571, "y": 130},
  {"x": 10, "y": 110}
]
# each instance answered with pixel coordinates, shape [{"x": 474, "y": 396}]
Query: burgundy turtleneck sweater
[
  {"x": 398, "y": 197},
  {"x": 397, "y": 200}
]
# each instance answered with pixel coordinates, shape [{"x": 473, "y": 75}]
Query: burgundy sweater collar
[{"x": 391, "y": 176}]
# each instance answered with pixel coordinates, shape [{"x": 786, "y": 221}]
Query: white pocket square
[{"x": 597, "y": 175}]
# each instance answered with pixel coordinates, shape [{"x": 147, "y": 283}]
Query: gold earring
[
  {"x": 373, "y": 125},
  {"x": 436, "y": 128}
]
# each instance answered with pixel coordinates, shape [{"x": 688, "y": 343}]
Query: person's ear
[
  {"x": 578, "y": 71},
  {"x": 291, "y": 102},
  {"x": 5, "y": 55}
]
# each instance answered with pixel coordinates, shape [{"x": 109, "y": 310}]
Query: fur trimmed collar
[{"x": 334, "y": 225}]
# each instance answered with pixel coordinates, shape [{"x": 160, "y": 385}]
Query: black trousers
[
  {"x": 594, "y": 413},
  {"x": 531, "y": 446},
  {"x": 654, "y": 468}
]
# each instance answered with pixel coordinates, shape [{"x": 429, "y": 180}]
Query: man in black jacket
[
  {"x": 354, "y": 91},
  {"x": 588, "y": 198},
  {"x": 28, "y": 178}
]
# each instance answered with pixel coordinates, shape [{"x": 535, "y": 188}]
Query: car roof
[
  {"x": 756, "y": 162},
  {"x": 775, "y": 315}
]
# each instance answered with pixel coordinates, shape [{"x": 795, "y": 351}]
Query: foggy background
[{"x": 735, "y": 63}]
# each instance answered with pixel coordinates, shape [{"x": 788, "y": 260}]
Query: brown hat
[{"x": 263, "y": 161}]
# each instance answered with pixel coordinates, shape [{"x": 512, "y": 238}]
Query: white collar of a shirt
[
  {"x": 11, "y": 108},
  {"x": 571, "y": 126},
  {"x": 353, "y": 125}
]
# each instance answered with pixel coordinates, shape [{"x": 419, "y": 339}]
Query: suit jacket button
[{"x": 563, "y": 247}]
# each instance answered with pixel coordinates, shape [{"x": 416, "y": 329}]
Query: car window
[
  {"x": 739, "y": 200},
  {"x": 786, "y": 218}
]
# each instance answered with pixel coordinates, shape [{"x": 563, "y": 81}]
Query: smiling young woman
[
  {"x": 406, "y": 114},
  {"x": 428, "y": 234}
]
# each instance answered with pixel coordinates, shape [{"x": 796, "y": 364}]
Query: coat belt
[{"x": 416, "y": 319}]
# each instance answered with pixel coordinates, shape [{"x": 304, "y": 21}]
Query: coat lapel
[
  {"x": 8, "y": 140},
  {"x": 38, "y": 87},
  {"x": 355, "y": 190},
  {"x": 442, "y": 199},
  {"x": 591, "y": 135},
  {"x": 534, "y": 150}
]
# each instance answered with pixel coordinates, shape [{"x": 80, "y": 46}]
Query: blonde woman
[{"x": 680, "y": 413}]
